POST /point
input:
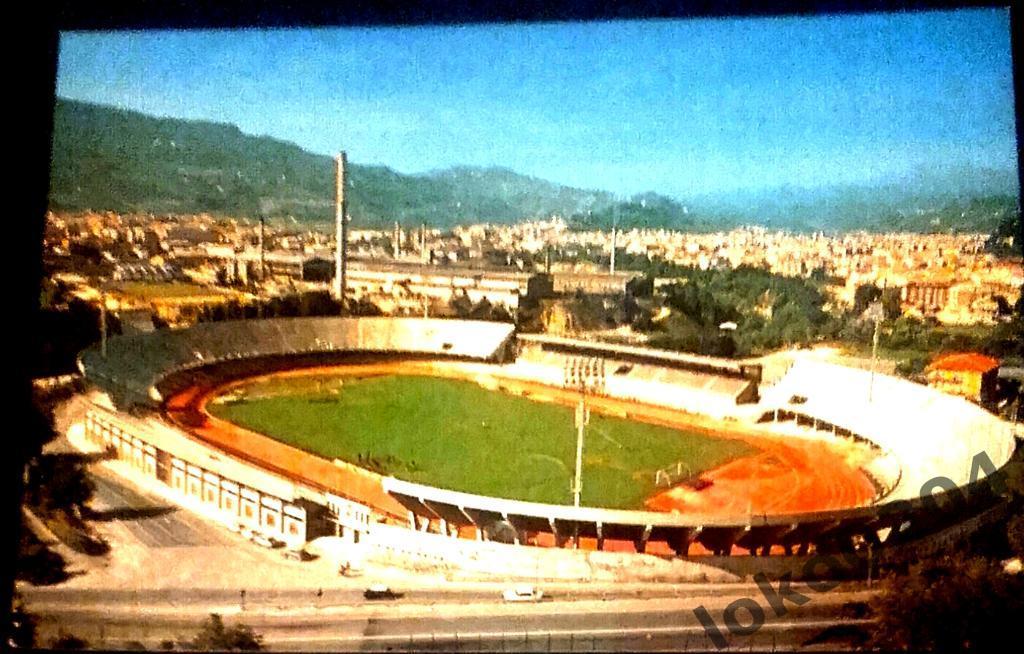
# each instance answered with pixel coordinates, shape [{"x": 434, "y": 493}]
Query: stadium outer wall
[{"x": 299, "y": 497}]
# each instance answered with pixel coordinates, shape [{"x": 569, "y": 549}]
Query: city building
[{"x": 967, "y": 374}]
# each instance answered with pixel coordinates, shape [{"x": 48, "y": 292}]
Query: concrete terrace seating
[
  {"x": 694, "y": 392},
  {"x": 135, "y": 364},
  {"x": 930, "y": 433}
]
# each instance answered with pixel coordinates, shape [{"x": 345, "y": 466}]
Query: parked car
[
  {"x": 522, "y": 594},
  {"x": 297, "y": 555},
  {"x": 380, "y": 592},
  {"x": 266, "y": 541}
]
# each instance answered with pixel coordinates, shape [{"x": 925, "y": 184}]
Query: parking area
[{"x": 152, "y": 522}]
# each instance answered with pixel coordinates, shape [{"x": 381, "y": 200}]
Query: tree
[
  {"x": 65, "y": 640},
  {"x": 1015, "y": 535},
  {"x": 37, "y": 564},
  {"x": 642, "y": 286},
  {"x": 158, "y": 321},
  {"x": 864, "y": 296},
  {"x": 58, "y": 482},
  {"x": 891, "y": 303},
  {"x": 319, "y": 303},
  {"x": 21, "y": 627},
  {"x": 950, "y": 604},
  {"x": 363, "y": 307},
  {"x": 461, "y": 305},
  {"x": 906, "y": 332},
  {"x": 214, "y": 636}
]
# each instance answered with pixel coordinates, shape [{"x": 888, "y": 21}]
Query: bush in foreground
[
  {"x": 950, "y": 604},
  {"x": 213, "y": 635}
]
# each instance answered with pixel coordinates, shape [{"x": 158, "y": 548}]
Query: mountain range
[{"x": 106, "y": 158}]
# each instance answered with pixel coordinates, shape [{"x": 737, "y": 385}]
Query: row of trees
[
  {"x": 321, "y": 303},
  {"x": 57, "y": 489},
  {"x": 772, "y": 311},
  {"x": 292, "y": 305},
  {"x": 768, "y": 310}
]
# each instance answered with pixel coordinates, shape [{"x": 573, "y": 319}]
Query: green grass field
[{"x": 455, "y": 434}]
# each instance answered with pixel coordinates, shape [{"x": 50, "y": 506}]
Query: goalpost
[{"x": 668, "y": 475}]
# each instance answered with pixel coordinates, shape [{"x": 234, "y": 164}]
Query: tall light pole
[
  {"x": 582, "y": 419},
  {"x": 875, "y": 313},
  {"x": 586, "y": 374}
]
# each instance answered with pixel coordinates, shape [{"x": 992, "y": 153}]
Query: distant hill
[
  {"x": 955, "y": 198},
  {"x": 105, "y": 158},
  {"x": 112, "y": 159}
]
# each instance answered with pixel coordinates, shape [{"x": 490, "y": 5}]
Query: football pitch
[{"x": 455, "y": 434}]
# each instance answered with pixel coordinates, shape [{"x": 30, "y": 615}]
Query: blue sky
[{"x": 683, "y": 107}]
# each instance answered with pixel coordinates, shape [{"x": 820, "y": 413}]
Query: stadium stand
[
  {"x": 134, "y": 365},
  {"x": 687, "y": 383},
  {"x": 920, "y": 434},
  {"x": 931, "y": 434}
]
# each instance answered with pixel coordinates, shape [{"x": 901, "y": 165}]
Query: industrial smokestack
[
  {"x": 396, "y": 241},
  {"x": 615, "y": 224},
  {"x": 614, "y": 233},
  {"x": 340, "y": 229},
  {"x": 423, "y": 243},
  {"x": 263, "y": 261}
]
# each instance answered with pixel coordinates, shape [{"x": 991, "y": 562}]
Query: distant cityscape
[{"x": 953, "y": 278}]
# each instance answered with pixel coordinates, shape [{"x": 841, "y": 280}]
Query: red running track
[{"x": 786, "y": 475}]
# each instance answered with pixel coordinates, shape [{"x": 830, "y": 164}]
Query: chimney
[
  {"x": 396, "y": 241},
  {"x": 263, "y": 261},
  {"x": 614, "y": 233},
  {"x": 340, "y": 229}
]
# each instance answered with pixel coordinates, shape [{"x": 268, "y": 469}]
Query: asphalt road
[
  {"x": 453, "y": 593},
  {"x": 410, "y": 623},
  {"x": 153, "y": 523}
]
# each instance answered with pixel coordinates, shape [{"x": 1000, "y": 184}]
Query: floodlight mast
[
  {"x": 587, "y": 376},
  {"x": 582, "y": 418},
  {"x": 877, "y": 313}
]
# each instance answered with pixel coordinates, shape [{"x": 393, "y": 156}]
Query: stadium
[{"x": 692, "y": 467}]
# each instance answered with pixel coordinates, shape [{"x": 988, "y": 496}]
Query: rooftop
[{"x": 964, "y": 362}]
